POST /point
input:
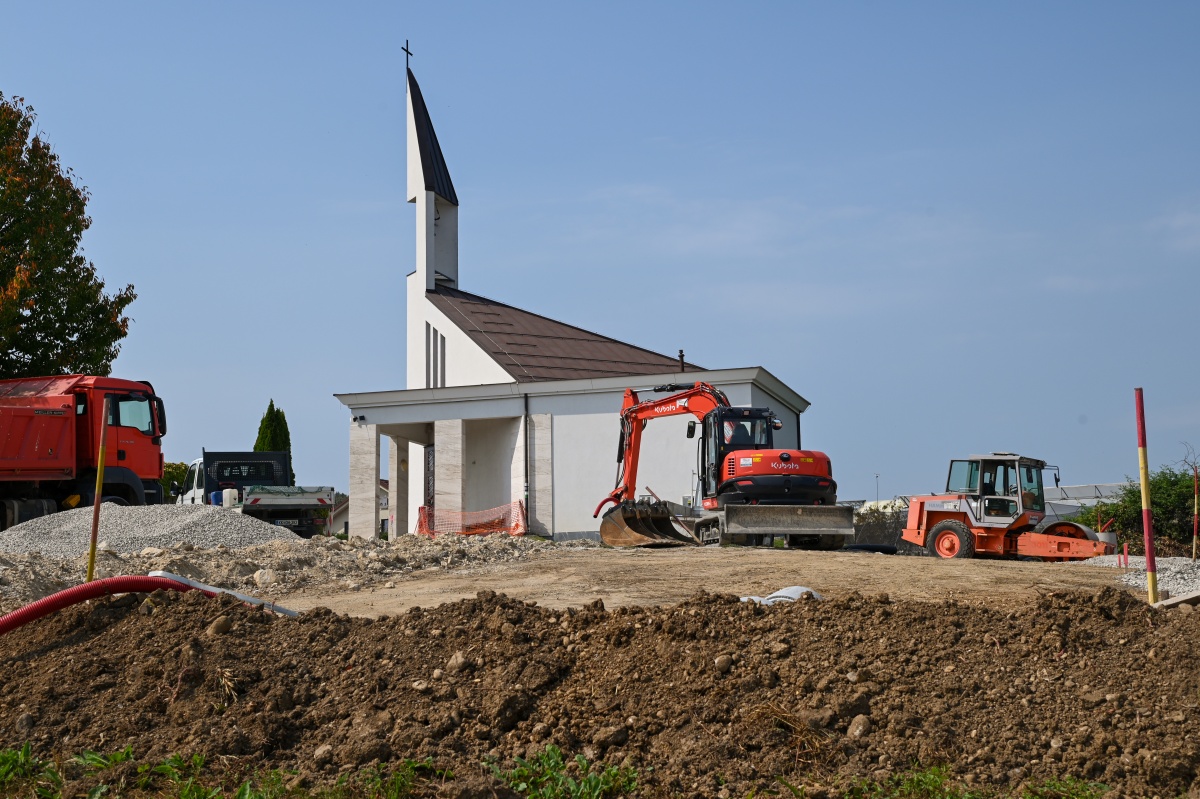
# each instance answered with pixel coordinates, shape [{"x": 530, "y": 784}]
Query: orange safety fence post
[
  {"x": 91, "y": 569},
  {"x": 1147, "y": 513}
]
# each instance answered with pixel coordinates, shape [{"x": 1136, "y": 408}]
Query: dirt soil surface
[
  {"x": 622, "y": 577},
  {"x": 1004, "y": 672},
  {"x": 710, "y": 693}
]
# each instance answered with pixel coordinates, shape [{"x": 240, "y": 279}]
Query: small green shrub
[
  {"x": 546, "y": 777},
  {"x": 21, "y": 771}
]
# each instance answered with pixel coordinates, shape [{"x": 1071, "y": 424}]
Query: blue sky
[{"x": 952, "y": 227}]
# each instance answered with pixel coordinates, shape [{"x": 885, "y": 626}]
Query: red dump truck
[{"x": 50, "y": 439}]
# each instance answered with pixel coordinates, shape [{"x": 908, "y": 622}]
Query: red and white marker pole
[
  {"x": 1147, "y": 514},
  {"x": 1195, "y": 508}
]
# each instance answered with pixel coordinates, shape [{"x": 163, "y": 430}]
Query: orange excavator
[{"x": 752, "y": 492}]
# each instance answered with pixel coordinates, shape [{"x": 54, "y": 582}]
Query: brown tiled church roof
[{"x": 533, "y": 348}]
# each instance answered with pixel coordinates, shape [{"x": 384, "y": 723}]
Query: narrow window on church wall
[
  {"x": 442, "y": 374},
  {"x": 428, "y": 357},
  {"x": 435, "y": 358}
]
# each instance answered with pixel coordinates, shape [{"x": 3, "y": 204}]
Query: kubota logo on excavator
[
  {"x": 785, "y": 467},
  {"x": 671, "y": 406}
]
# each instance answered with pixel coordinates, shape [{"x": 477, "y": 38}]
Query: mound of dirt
[{"x": 713, "y": 697}]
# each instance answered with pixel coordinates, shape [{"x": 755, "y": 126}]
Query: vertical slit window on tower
[
  {"x": 442, "y": 378},
  {"x": 436, "y": 358},
  {"x": 428, "y": 356}
]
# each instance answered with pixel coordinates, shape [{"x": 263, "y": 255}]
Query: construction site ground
[
  {"x": 1008, "y": 675},
  {"x": 622, "y": 577}
]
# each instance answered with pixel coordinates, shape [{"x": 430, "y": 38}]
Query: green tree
[
  {"x": 273, "y": 435},
  {"x": 1171, "y": 498},
  {"x": 172, "y": 473},
  {"x": 54, "y": 315}
]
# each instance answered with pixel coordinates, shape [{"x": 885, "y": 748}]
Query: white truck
[{"x": 257, "y": 484}]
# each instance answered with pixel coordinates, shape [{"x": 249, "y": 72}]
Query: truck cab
[{"x": 50, "y": 439}]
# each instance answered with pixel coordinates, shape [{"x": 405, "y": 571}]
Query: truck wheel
[{"x": 950, "y": 539}]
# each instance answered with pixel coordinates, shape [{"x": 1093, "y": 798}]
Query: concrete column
[
  {"x": 364, "y": 480},
  {"x": 541, "y": 475},
  {"x": 449, "y": 440},
  {"x": 398, "y": 487},
  {"x": 416, "y": 482},
  {"x": 516, "y": 471}
]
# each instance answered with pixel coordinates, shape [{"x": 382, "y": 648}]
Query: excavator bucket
[
  {"x": 642, "y": 524},
  {"x": 812, "y": 526}
]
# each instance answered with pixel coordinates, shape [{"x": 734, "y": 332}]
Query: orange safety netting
[{"x": 508, "y": 518}]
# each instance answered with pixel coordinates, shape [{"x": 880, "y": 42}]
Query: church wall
[
  {"x": 584, "y": 451},
  {"x": 462, "y": 361},
  {"x": 488, "y": 462},
  {"x": 786, "y": 437}
]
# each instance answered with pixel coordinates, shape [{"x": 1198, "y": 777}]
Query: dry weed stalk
[
  {"x": 228, "y": 683},
  {"x": 807, "y": 741}
]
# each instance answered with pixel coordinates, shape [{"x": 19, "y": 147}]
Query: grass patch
[
  {"x": 935, "y": 783},
  {"x": 550, "y": 776},
  {"x": 23, "y": 773}
]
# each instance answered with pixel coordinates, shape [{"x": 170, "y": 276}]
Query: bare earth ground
[
  {"x": 1006, "y": 673},
  {"x": 647, "y": 577}
]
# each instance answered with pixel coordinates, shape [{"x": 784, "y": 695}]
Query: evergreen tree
[{"x": 273, "y": 436}]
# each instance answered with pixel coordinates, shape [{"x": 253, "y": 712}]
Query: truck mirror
[
  {"x": 176, "y": 489},
  {"x": 691, "y": 429},
  {"x": 161, "y": 413}
]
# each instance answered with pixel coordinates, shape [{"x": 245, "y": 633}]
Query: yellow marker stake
[{"x": 91, "y": 570}]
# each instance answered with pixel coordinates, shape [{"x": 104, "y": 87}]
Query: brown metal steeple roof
[
  {"x": 533, "y": 348},
  {"x": 433, "y": 164}
]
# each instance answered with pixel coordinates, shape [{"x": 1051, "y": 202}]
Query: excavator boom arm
[{"x": 697, "y": 399}]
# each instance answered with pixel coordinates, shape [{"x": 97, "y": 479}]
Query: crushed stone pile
[
  {"x": 710, "y": 698},
  {"x": 272, "y": 567},
  {"x": 1179, "y": 576},
  {"x": 132, "y": 529}
]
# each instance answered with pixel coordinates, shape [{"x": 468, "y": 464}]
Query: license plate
[{"x": 287, "y": 522}]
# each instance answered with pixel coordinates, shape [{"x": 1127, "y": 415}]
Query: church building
[{"x": 504, "y": 408}]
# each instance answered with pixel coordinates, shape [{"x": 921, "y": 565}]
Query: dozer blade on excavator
[
  {"x": 642, "y": 524},
  {"x": 815, "y": 526}
]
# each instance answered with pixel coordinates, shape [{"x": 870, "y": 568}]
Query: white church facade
[{"x": 505, "y": 406}]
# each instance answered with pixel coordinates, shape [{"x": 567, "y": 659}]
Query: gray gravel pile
[
  {"x": 1179, "y": 576},
  {"x": 276, "y": 568},
  {"x": 132, "y": 529}
]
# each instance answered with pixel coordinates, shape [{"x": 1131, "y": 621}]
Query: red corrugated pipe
[{"x": 86, "y": 591}]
